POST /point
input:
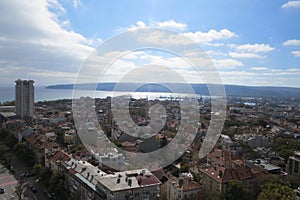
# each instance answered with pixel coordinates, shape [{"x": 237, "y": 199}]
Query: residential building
[
  {"x": 293, "y": 165},
  {"x": 264, "y": 165},
  {"x": 222, "y": 169},
  {"x": 41, "y": 145},
  {"x": 53, "y": 160},
  {"x": 81, "y": 180},
  {"x": 24, "y": 90},
  {"x": 183, "y": 188},
  {"x": 134, "y": 185},
  {"x": 85, "y": 181}
]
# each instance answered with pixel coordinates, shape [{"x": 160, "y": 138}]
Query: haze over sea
[{"x": 44, "y": 94}]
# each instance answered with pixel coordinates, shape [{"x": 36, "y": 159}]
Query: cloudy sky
[{"x": 251, "y": 42}]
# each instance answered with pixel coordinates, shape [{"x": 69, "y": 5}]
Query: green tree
[
  {"x": 293, "y": 181},
  {"x": 23, "y": 152},
  {"x": 8, "y": 103},
  {"x": 248, "y": 152},
  {"x": 10, "y": 141},
  {"x": 38, "y": 169},
  {"x": 184, "y": 168},
  {"x": 3, "y": 133},
  {"x": 277, "y": 192},
  {"x": 271, "y": 178},
  {"x": 45, "y": 176},
  {"x": 3, "y": 149},
  {"x": 56, "y": 184},
  {"x": 19, "y": 189},
  {"x": 235, "y": 191}
]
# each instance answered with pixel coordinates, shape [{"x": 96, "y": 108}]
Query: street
[{"x": 8, "y": 182}]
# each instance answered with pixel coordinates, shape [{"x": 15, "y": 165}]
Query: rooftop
[
  {"x": 186, "y": 185},
  {"x": 93, "y": 176},
  {"x": 129, "y": 180},
  {"x": 225, "y": 175}
]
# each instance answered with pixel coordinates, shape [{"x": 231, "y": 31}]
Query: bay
[{"x": 44, "y": 94}]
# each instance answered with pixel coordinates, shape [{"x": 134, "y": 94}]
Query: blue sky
[{"x": 251, "y": 42}]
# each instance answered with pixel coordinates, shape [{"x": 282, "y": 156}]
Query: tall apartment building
[
  {"x": 293, "y": 165},
  {"x": 24, "y": 98}
]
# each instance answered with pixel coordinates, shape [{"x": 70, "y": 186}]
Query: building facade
[
  {"x": 222, "y": 169},
  {"x": 87, "y": 182},
  {"x": 24, "y": 98},
  {"x": 293, "y": 165},
  {"x": 183, "y": 188}
]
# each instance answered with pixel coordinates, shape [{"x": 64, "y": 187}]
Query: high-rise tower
[{"x": 24, "y": 98}]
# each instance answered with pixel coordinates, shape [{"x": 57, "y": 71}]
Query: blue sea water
[
  {"x": 41, "y": 94},
  {"x": 44, "y": 94}
]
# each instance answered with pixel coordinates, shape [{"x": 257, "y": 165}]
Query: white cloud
[
  {"x": 291, "y": 4},
  {"x": 139, "y": 24},
  {"x": 171, "y": 24},
  {"x": 227, "y": 63},
  {"x": 77, "y": 3},
  {"x": 262, "y": 76},
  {"x": 66, "y": 24},
  {"x": 216, "y": 53},
  {"x": 244, "y": 55},
  {"x": 255, "y": 48},
  {"x": 36, "y": 35},
  {"x": 217, "y": 44},
  {"x": 211, "y": 35},
  {"x": 291, "y": 43},
  {"x": 56, "y": 5},
  {"x": 162, "y": 37},
  {"x": 293, "y": 70},
  {"x": 270, "y": 72},
  {"x": 296, "y": 53},
  {"x": 259, "y": 68}
]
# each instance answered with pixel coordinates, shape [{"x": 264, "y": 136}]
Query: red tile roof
[
  {"x": 60, "y": 156},
  {"x": 39, "y": 141},
  {"x": 225, "y": 175},
  {"x": 147, "y": 179}
]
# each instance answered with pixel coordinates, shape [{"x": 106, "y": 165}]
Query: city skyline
[{"x": 251, "y": 43}]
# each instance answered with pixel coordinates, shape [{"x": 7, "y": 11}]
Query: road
[{"x": 8, "y": 182}]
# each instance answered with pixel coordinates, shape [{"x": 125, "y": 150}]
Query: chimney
[
  {"x": 180, "y": 182},
  {"x": 139, "y": 180},
  {"x": 83, "y": 169},
  {"x": 220, "y": 173}
]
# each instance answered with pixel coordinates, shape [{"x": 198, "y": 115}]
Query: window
[{"x": 296, "y": 167}]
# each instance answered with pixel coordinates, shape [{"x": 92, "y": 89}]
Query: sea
[{"x": 44, "y": 94}]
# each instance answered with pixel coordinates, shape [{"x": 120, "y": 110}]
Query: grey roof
[
  {"x": 88, "y": 172},
  {"x": 127, "y": 180},
  {"x": 93, "y": 176},
  {"x": 8, "y": 114}
]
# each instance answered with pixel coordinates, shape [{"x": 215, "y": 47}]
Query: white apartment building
[{"x": 24, "y": 98}]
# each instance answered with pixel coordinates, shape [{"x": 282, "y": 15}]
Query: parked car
[
  {"x": 1, "y": 191},
  {"x": 33, "y": 189}
]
